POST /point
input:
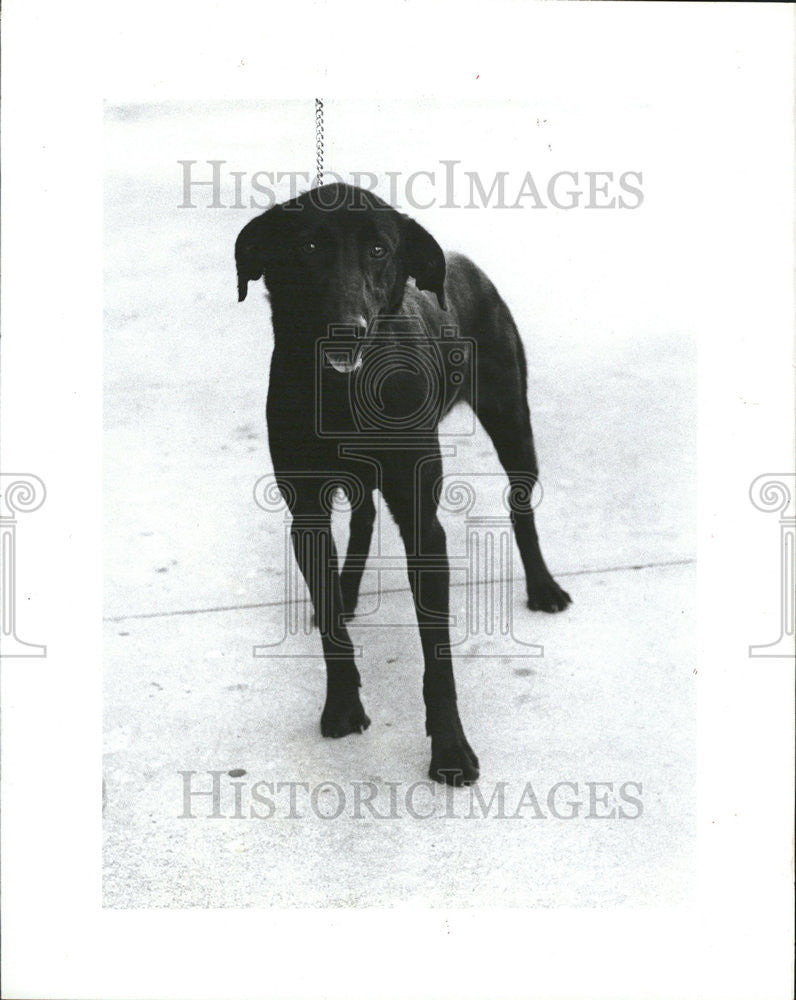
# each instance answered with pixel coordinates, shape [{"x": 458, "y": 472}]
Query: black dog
[{"x": 360, "y": 409}]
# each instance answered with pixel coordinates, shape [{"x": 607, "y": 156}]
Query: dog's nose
[{"x": 357, "y": 322}]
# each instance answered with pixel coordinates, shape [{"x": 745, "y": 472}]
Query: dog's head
[{"x": 336, "y": 256}]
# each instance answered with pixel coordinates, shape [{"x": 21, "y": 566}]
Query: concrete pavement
[{"x": 195, "y": 577}]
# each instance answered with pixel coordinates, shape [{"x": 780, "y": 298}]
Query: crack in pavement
[{"x": 632, "y": 567}]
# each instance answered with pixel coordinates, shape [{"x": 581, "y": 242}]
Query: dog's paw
[
  {"x": 340, "y": 718},
  {"x": 546, "y": 595},
  {"x": 454, "y": 763}
]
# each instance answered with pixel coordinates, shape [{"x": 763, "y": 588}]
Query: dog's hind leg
[
  {"x": 360, "y": 534},
  {"x": 502, "y": 408}
]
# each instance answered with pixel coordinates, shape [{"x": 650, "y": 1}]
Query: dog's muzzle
[{"x": 351, "y": 335}]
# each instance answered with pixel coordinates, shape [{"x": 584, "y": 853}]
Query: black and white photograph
[
  {"x": 397, "y": 501},
  {"x": 324, "y": 498}
]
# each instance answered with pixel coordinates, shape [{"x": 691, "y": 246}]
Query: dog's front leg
[
  {"x": 415, "y": 510},
  {"x": 315, "y": 552}
]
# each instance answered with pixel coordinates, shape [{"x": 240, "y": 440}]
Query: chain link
[{"x": 318, "y": 142}]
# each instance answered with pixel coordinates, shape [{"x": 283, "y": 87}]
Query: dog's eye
[
  {"x": 377, "y": 250},
  {"x": 309, "y": 247}
]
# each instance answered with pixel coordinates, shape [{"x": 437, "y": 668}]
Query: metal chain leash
[{"x": 318, "y": 142}]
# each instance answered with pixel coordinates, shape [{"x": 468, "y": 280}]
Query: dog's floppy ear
[
  {"x": 425, "y": 260},
  {"x": 251, "y": 248}
]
